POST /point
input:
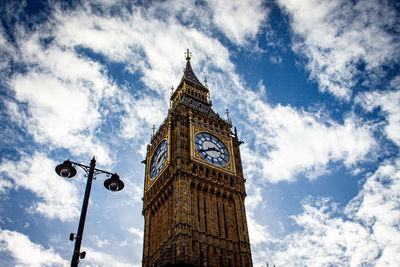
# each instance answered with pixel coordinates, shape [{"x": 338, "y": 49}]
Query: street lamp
[{"x": 67, "y": 170}]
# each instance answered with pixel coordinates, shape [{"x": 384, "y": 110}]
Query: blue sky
[{"x": 313, "y": 88}]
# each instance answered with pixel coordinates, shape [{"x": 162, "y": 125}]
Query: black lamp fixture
[
  {"x": 114, "y": 183},
  {"x": 67, "y": 170}
]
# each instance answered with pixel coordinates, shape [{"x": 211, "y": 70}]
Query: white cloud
[
  {"x": 365, "y": 233},
  {"x": 134, "y": 190},
  {"x": 64, "y": 63},
  {"x": 258, "y": 233},
  {"x": 137, "y": 233},
  {"x": 64, "y": 93},
  {"x": 238, "y": 20},
  {"x": 57, "y": 197},
  {"x": 335, "y": 36},
  {"x": 151, "y": 48},
  {"x": 108, "y": 35},
  {"x": 275, "y": 59},
  {"x": 4, "y": 185},
  {"x": 97, "y": 258},
  {"x": 389, "y": 103},
  {"x": 58, "y": 113},
  {"x": 100, "y": 243},
  {"x": 27, "y": 253},
  {"x": 326, "y": 240},
  {"x": 290, "y": 141},
  {"x": 377, "y": 208},
  {"x": 143, "y": 111},
  {"x": 254, "y": 198}
]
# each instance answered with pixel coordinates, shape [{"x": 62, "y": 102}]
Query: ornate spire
[
  {"x": 190, "y": 79},
  {"x": 188, "y": 73}
]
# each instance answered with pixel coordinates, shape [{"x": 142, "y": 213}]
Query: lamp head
[
  {"x": 66, "y": 169},
  {"x": 114, "y": 183}
]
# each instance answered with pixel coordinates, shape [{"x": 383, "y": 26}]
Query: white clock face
[
  {"x": 158, "y": 160},
  {"x": 211, "y": 148}
]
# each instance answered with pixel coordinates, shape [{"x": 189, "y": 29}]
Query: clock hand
[
  {"x": 209, "y": 149},
  {"x": 160, "y": 157}
]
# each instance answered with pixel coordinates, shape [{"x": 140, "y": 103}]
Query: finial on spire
[
  {"x": 188, "y": 54},
  {"x": 154, "y": 128},
  {"x": 205, "y": 82},
  {"x": 227, "y": 115}
]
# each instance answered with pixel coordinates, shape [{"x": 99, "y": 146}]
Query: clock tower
[{"x": 194, "y": 192}]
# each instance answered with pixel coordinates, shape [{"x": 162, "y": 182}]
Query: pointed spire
[{"x": 188, "y": 73}]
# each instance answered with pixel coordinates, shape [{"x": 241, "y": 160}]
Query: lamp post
[{"x": 67, "y": 170}]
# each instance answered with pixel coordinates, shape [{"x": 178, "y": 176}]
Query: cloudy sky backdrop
[{"x": 313, "y": 88}]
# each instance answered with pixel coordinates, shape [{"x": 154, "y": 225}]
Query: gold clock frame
[
  {"x": 149, "y": 180},
  {"x": 195, "y": 155}
]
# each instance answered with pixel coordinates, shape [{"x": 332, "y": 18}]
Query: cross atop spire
[
  {"x": 227, "y": 114},
  {"x": 188, "y": 74},
  {"x": 188, "y": 54}
]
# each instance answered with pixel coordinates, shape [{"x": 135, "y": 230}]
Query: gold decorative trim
[
  {"x": 149, "y": 180},
  {"x": 195, "y": 155}
]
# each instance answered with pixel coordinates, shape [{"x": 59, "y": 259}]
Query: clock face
[
  {"x": 158, "y": 160},
  {"x": 211, "y": 149}
]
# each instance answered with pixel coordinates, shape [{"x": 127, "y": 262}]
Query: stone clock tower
[{"x": 194, "y": 192}]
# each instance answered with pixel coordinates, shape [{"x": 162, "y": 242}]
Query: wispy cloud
[
  {"x": 287, "y": 141},
  {"x": 57, "y": 198},
  {"x": 239, "y": 20},
  {"x": 138, "y": 234},
  {"x": 26, "y": 253},
  {"x": 64, "y": 93},
  {"x": 389, "y": 103},
  {"x": 364, "y": 233},
  {"x": 343, "y": 41},
  {"x": 98, "y": 258}
]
